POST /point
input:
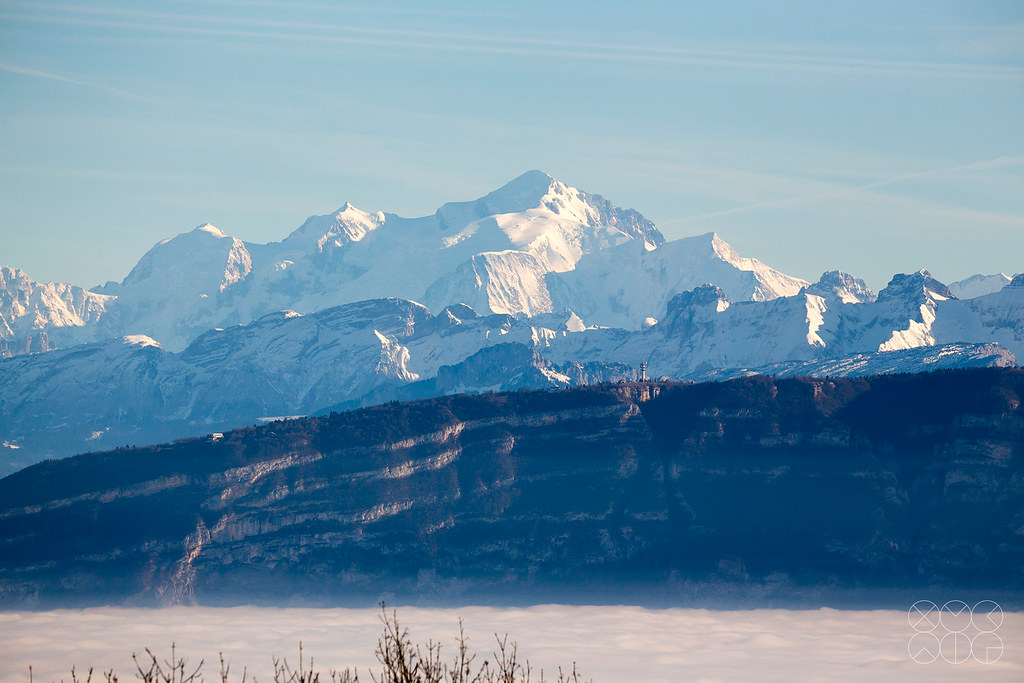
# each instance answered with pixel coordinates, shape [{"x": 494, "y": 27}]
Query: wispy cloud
[
  {"x": 985, "y": 41},
  {"x": 783, "y": 58},
  {"x": 985, "y": 165},
  {"x": 481, "y": 11},
  {"x": 33, "y": 73},
  {"x": 842, "y": 191}
]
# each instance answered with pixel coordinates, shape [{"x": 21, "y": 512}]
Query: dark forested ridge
[{"x": 757, "y": 491}]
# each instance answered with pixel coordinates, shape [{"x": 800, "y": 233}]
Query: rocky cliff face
[
  {"x": 753, "y": 491},
  {"x": 36, "y": 316}
]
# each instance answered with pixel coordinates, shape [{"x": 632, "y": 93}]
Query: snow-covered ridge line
[
  {"x": 33, "y": 315},
  {"x": 979, "y": 285},
  {"x": 533, "y": 246}
]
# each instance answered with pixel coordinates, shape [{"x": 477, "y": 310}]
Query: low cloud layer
[{"x": 610, "y": 644}]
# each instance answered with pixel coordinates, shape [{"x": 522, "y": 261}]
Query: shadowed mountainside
[{"x": 752, "y": 491}]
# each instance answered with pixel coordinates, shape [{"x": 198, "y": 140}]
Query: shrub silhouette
[{"x": 401, "y": 661}]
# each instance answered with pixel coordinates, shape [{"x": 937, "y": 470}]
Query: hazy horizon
[{"x": 872, "y": 139}]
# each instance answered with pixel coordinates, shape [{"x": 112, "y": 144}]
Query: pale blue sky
[{"x": 875, "y": 137}]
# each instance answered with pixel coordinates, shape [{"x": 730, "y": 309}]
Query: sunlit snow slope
[{"x": 533, "y": 246}]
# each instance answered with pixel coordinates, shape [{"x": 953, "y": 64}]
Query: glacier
[{"x": 511, "y": 251}]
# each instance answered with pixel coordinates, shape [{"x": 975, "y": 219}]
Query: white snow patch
[
  {"x": 394, "y": 360},
  {"x": 555, "y": 376},
  {"x": 918, "y": 332},
  {"x": 140, "y": 340},
  {"x": 461, "y": 236},
  {"x": 575, "y": 323},
  {"x": 979, "y": 285},
  {"x": 815, "y": 319},
  {"x": 207, "y": 228}
]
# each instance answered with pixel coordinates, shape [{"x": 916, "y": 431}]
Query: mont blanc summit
[{"x": 515, "y": 250}]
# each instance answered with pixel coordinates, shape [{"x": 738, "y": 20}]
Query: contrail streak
[
  {"x": 32, "y": 73},
  {"x": 840, "y": 191}
]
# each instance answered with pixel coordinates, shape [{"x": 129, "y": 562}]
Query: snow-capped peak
[
  {"x": 835, "y": 284},
  {"x": 707, "y": 295},
  {"x": 687, "y": 311},
  {"x": 916, "y": 296},
  {"x": 517, "y": 196},
  {"x": 979, "y": 285},
  {"x": 546, "y": 218},
  {"x": 772, "y": 283},
  {"x": 179, "y": 278},
  {"x": 523, "y": 193},
  {"x": 910, "y": 285},
  {"x": 34, "y": 315},
  {"x": 723, "y": 249},
  {"x": 347, "y": 224}
]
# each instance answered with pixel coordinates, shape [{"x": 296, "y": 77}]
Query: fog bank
[{"x": 610, "y": 644}]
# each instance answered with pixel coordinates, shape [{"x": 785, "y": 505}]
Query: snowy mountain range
[
  {"x": 535, "y": 284},
  {"x": 131, "y": 390},
  {"x": 533, "y": 246}
]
